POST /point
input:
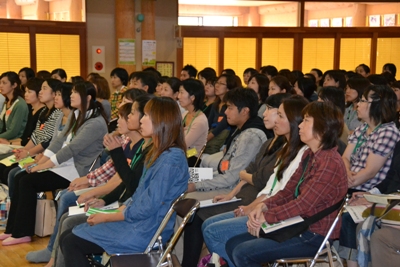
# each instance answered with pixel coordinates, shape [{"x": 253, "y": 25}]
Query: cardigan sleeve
[
  {"x": 16, "y": 123},
  {"x": 85, "y": 136}
]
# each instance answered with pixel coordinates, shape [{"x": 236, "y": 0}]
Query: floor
[{"x": 14, "y": 256}]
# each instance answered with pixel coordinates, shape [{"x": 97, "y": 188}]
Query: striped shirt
[{"x": 45, "y": 127}]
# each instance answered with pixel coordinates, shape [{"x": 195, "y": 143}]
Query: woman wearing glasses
[
  {"x": 217, "y": 119},
  {"x": 369, "y": 152}
]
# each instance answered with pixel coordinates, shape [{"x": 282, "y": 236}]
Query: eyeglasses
[{"x": 220, "y": 83}]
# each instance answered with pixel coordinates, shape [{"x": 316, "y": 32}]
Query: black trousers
[
  {"x": 4, "y": 170},
  {"x": 192, "y": 242},
  {"x": 21, "y": 219},
  {"x": 75, "y": 249}
]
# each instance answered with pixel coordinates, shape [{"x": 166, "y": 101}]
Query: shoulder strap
[{"x": 318, "y": 216}]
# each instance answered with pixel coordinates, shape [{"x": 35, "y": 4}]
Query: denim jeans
[
  {"x": 67, "y": 199},
  {"x": 250, "y": 251},
  {"x": 218, "y": 229},
  {"x": 348, "y": 238}
]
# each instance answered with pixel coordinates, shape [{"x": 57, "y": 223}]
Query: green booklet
[
  {"x": 96, "y": 210},
  {"x": 25, "y": 161}
]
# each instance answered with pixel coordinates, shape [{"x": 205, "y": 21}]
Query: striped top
[{"x": 45, "y": 127}]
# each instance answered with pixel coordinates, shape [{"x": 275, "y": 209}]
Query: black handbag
[{"x": 297, "y": 229}]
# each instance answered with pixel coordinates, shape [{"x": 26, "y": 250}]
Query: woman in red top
[{"x": 318, "y": 183}]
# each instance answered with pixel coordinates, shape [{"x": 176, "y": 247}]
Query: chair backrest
[
  {"x": 199, "y": 156},
  {"x": 185, "y": 208},
  {"x": 163, "y": 224},
  {"x": 337, "y": 218}
]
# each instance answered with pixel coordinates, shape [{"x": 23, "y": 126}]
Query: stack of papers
[
  {"x": 267, "y": 228},
  {"x": 382, "y": 198},
  {"x": 210, "y": 203},
  {"x": 75, "y": 210}
]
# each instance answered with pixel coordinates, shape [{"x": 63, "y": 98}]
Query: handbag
[
  {"x": 3, "y": 192},
  {"x": 297, "y": 229},
  {"x": 286, "y": 233},
  {"x": 213, "y": 260},
  {"x": 45, "y": 217}
]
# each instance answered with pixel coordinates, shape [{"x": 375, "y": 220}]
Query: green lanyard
[
  {"x": 275, "y": 181},
  {"x": 137, "y": 157},
  {"x": 361, "y": 140},
  {"x": 296, "y": 192},
  {"x": 273, "y": 185},
  {"x": 190, "y": 125}
]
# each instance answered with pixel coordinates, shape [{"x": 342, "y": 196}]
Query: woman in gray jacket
[{"x": 68, "y": 156}]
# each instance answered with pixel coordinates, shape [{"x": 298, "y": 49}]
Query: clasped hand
[
  {"x": 256, "y": 219},
  {"x": 111, "y": 141}
]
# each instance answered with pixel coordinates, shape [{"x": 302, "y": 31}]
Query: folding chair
[
  {"x": 322, "y": 255},
  {"x": 185, "y": 208}
]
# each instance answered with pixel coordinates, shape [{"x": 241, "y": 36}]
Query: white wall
[{"x": 101, "y": 31}]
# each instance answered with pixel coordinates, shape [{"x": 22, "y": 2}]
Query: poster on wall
[
  {"x": 166, "y": 68},
  {"x": 349, "y": 21},
  {"x": 324, "y": 22},
  {"x": 313, "y": 23},
  {"x": 389, "y": 20},
  {"x": 149, "y": 52},
  {"x": 375, "y": 21},
  {"x": 337, "y": 22},
  {"x": 126, "y": 52}
]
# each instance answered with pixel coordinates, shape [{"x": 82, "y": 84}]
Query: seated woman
[
  {"x": 195, "y": 124},
  {"x": 59, "y": 74},
  {"x": 170, "y": 88},
  {"x": 381, "y": 249},
  {"x": 44, "y": 126},
  {"x": 215, "y": 230},
  {"x": 259, "y": 171},
  {"x": 25, "y": 74},
  {"x": 130, "y": 229},
  {"x": 306, "y": 87},
  {"x": 354, "y": 90},
  {"x": 280, "y": 84},
  {"x": 103, "y": 92},
  {"x": 122, "y": 178},
  {"x": 71, "y": 154},
  {"x": 210, "y": 96},
  {"x": 31, "y": 97},
  {"x": 259, "y": 83},
  {"x": 336, "y": 97},
  {"x": 369, "y": 153},
  {"x": 14, "y": 114},
  {"x": 317, "y": 184},
  {"x": 35, "y": 106},
  {"x": 334, "y": 78}
]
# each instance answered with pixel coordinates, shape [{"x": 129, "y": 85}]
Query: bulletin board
[{"x": 166, "y": 68}]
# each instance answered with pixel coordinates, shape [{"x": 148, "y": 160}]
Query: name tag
[
  {"x": 224, "y": 165},
  {"x": 191, "y": 152}
]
